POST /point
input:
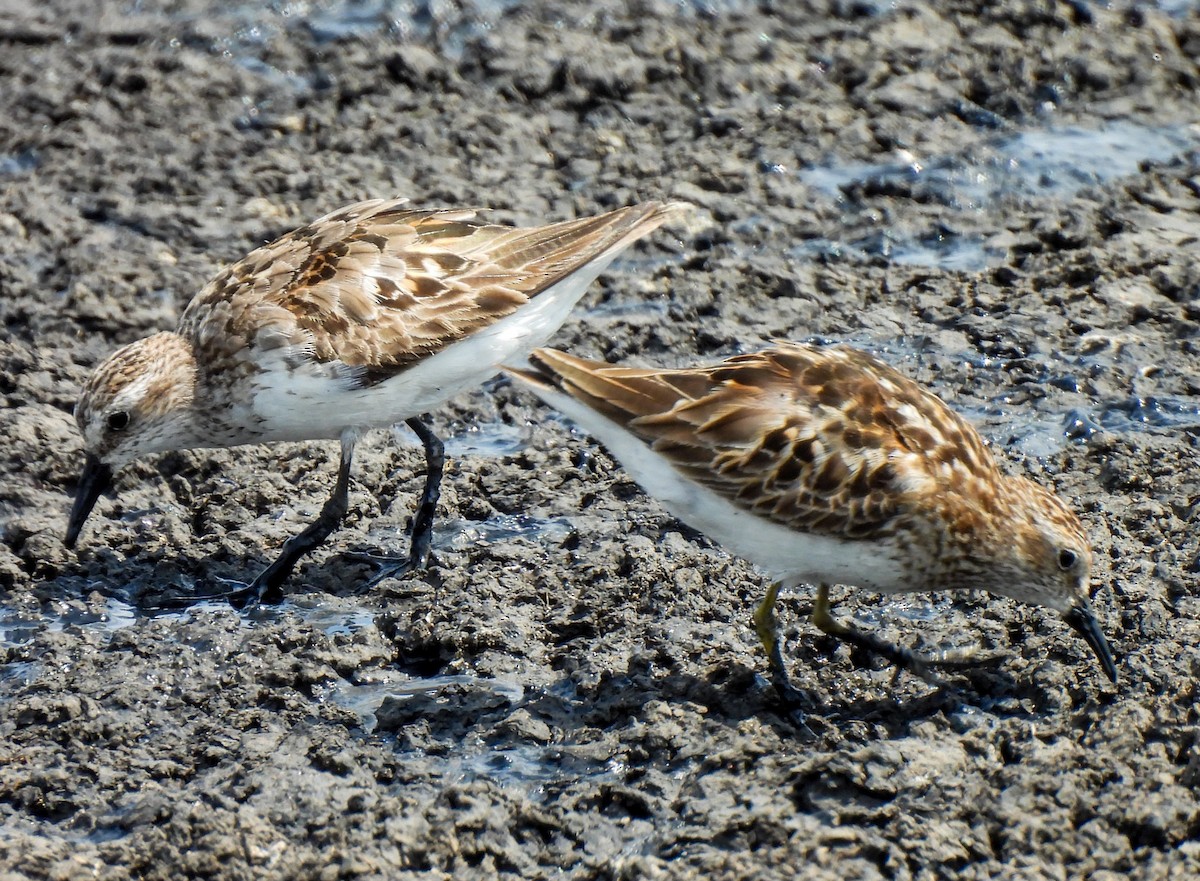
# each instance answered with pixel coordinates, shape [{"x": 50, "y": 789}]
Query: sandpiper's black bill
[
  {"x": 1083, "y": 621},
  {"x": 95, "y": 479}
]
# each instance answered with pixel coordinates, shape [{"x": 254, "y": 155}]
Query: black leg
[
  {"x": 435, "y": 463},
  {"x": 422, "y": 529},
  {"x": 766, "y": 625},
  {"x": 266, "y": 587}
]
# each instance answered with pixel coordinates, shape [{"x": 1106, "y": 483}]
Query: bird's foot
[
  {"x": 387, "y": 566},
  {"x": 962, "y": 659},
  {"x": 238, "y": 594},
  {"x": 795, "y": 703},
  {"x": 903, "y": 659},
  {"x": 267, "y": 588}
]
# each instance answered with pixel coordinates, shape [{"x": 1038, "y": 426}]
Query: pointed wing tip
[
  {"x": 657, "y": 212},
  {"x": 677, "y": 207},
  {"x": 538, "y": 370},
  {"x": 626, "y": 225},
  {"x": 549, "y": 368},
  {"x": 552, "y": 362},
  {"x": 527, "y": 374}
]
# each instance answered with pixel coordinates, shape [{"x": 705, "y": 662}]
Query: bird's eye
[
  {"x": 1066, "y": 559},
  {"x": 118, "y": 420}
]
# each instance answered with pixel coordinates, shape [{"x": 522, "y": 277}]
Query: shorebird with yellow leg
[{"x": 823, "y": 466}]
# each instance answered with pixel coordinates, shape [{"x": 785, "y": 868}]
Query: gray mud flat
[{"x": 1005, "y": 204}]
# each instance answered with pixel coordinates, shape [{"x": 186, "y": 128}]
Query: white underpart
[
  {"x": 315, "y": 401},
  {"x": 791, "y": 556}
]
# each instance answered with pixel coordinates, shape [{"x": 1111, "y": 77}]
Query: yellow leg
[
  {"x": 823, "y": 618},
  {"x": 822, "y": 615},
  {"x": 766, "y": 625}
]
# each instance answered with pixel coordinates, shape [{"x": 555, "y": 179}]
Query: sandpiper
[
  {"x": 823, "y": 465},
  {"x": 366, "y": 317}
]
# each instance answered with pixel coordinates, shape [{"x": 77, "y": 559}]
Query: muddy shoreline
[{"x": 1005, "y": 204}]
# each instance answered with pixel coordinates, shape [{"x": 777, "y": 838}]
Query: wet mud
[{"x": 1003, "y": 203}]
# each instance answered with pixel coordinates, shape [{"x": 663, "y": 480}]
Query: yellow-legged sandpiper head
[{"x": 1047, "y": 560}]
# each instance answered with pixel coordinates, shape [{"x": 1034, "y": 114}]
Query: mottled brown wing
[
  {"x": 378, "y": 286},
  {"x": 827, "y": 440}
]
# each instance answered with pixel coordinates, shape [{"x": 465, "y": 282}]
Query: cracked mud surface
[{"x": 1005, "y": 204}]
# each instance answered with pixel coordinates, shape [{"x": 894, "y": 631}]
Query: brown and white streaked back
[
  {"x": 828, "y": 440},
  {"x": 377, "y": 286},
  {"x": 833, "y": 445},
  {"x": 369, "y": 316},
  {"x": 823, "y": 465}
]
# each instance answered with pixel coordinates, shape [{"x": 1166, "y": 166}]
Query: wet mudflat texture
[{"x": 1004, "y": 204}]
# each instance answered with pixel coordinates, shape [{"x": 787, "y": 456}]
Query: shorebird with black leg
[{"x": 367, "y": 317}]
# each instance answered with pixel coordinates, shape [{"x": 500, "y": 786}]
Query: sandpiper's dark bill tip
[
  {"x": 95, "y": 479},
  {"x": 1083, "y": 621}
]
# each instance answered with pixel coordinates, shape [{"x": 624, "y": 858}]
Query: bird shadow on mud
[
  {"x": 139, "y": 580},
  {"x": 158, "y": 582},
  {"x": 632, "y": 699},
  {"x": 165, "y": 580},
  {"x": 738, "y": 693}
]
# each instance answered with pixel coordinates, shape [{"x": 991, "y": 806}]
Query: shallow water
[
  {"x": 364, "y": 698},
  {"x": 1036, "y": 162},
  {"x": 20, "y": 628},
  {"x": 14, "y": 164},
  {"x": 459, "y": 534},
  {"x": 17, "y": 628},
  {"x": 983, "y": 182},
  {"x": 1040, "y": 427},
  {"x": 332, "y": 621},
  {"x": 492, "y": 439},
  {"x": 244, "y": 32},
  {"x": 523, "y": 765}
]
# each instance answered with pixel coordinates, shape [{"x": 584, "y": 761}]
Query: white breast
[
  {"x": 298, "y": 399},
  {"x": 793, "y": 557}
]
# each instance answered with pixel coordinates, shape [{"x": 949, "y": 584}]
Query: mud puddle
[{"x": 977, "y": 188}]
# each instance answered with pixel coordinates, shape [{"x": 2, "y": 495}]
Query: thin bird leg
[
  {"x": 766, "y": 625},
  {"x": 265, "y": 588},
  {"x": 435, "y": 463},
  {"x": 905, "y": 659},
  {"x": 422, "y": 530}
]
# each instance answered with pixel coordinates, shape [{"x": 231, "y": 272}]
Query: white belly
[
  {"x": 793, "y": 557},
  {"x": 318, "y": 401}
]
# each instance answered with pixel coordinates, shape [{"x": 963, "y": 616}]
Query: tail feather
[
  {"x": 578, "y": 241},
  {"x": 622, "y": 394}
]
